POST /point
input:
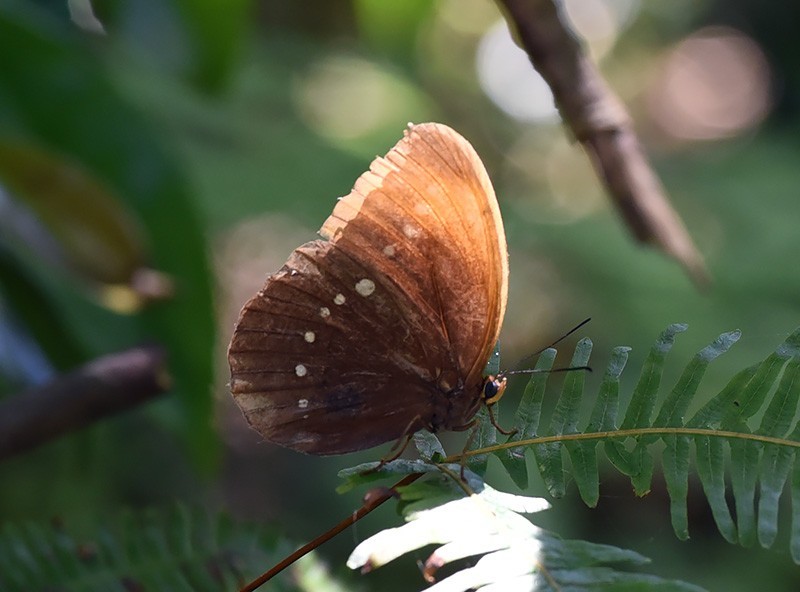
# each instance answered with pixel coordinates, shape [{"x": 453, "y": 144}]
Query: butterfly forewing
[
  {"x": 427, "y": 215},
  {"x": 384, "y": 328}
]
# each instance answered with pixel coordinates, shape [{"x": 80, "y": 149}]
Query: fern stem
[{"x": 633, "y": 432}]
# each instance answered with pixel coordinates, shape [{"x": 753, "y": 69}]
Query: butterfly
[{"x": 384, "y": 326}]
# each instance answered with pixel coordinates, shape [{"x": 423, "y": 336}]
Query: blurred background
[{"x": 159, "y": 158}]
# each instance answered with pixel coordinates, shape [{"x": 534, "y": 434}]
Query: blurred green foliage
[
  {"x": 175, "y": 548},
  {"x": 198, "y": 120}
]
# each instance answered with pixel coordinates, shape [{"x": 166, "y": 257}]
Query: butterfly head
[{"x": 493, "y": 388}]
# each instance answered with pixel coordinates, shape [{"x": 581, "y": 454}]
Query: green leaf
[
  {"x": 676, "y": 453},
  {"x": 529, "y": 411},
  {"x": 527, "y": 418},
  {"x": 81, "y": 223},
  {"x": 176, "y": 550},
  {"x": 783, "y": 406},
  {"x": 603, "y": 578},
  {"x": 640, "y": 409},
  {"x": 582, "y": 455},
  {"x": 603, "y": 418},
  {"x": 745, "y": 455},
  {"x": 795, "y": 526},
  {"x": 567, "y": 411},
  {"x": 643, "y": 478},
  {"x": 676, "y": 475},
  {"x": 370, "y": 472},
  {"x": 752, "y": 399},
  {"x": 711, "y": 451},
  {"x": 604, "y": 414},
  {"x": 710, "y": 455},
  {"x": 776, "y": 461},
  {"x": 96, "y": 128},
  {"x": 393, "y": 27},
  {"x": 551, "y": 468},
  {"x": 484, "y": 434},
  {"x": 745, "y": 458},
  {"x": 424, "y": 495},
  {"x": 564, "y": 421},
  {"x": 637, "y": 463},
  {"x": 675, "y": 406},
  {"x": 560, "y": 554},
  {"x": 711, "y": 414},
  {"x": 217, "y": 36},
  {"x": 428, "y": 446}
]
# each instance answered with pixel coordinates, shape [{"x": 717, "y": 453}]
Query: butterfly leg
[
  {"x": 510, "y": 432},
  {"x": 398, "y": 447},
  {"x": 471, "y": 438},
  {"x": 473, "y": 426}
]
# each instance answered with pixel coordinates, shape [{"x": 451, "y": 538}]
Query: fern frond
[
  {"x": 514, "y": 554},
  {"x": 759, "y": 457},
  {"x": 177, "y": 550}
]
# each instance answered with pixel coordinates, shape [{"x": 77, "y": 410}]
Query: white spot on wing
[
  {"x": 339, "y": 299},
  {"x": 410, "y": 231},
  {"x": 389, "y": 250},
  {"x": 310, "y": 337},
  {"x": 300, "y": 370},
  {"x": 422, "y": 208},
  {"x": 302, "y": 403},
  {"x": 324, "y": 312},
  {"x": 365, "y": 287}
]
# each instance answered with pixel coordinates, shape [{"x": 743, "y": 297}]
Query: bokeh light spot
[
  {"x": 713, "y": 84},
  {"x": 345, "y": 98},
  {"x": 509, "y": 80}
]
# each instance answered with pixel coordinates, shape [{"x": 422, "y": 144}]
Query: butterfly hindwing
[{"x": 309, "y": 370}]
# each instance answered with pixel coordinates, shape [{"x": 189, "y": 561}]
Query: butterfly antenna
[
  {"x": 539, "y": 370},
  {"x": 533, "y": 355}
]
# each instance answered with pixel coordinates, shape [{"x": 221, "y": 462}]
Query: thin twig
[
  {"x": 105, "y": 386},
  {"x": 365, "y": 509},
  {"x": 600, "y": 122}
]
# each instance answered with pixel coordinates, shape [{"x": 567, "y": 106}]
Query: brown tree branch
[
  {"x": 105, "y": 386},
  {"x": 600, "y": 122}
]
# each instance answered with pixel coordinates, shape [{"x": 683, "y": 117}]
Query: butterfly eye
[
  {"x": 489, "y": 387},
  {"x": 493, "y": 389}
]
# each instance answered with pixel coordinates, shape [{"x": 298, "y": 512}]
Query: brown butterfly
[{"x": 385, "y": 327}]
